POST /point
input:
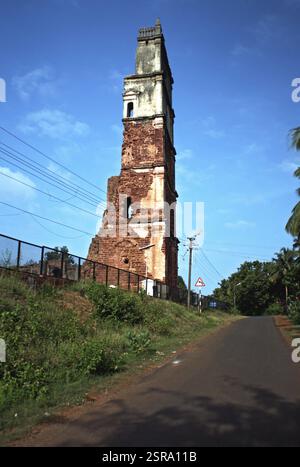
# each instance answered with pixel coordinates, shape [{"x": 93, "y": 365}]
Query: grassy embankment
[
  {"x": 289, "y": 330},
  {"x": 63, "y": 342}
]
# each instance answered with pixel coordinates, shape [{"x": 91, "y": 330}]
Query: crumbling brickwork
[{"x": 143, "y": 241}]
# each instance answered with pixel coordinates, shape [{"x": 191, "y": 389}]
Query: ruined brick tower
[{"x": 139, "y": 235}]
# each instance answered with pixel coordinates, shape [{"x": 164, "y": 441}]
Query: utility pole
[{"x": 191, "y": 239}]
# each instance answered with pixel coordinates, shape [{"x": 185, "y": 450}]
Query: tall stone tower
[{"x": 138, "y": 227}]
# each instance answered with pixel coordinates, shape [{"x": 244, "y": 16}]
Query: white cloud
[
  {"x": 223, "y": 211},
  {"x": 10, "y": 188},
  {"x": 210, "y": 128},
  {"x": 252, "y": 148},
  {"x": 241, "y": 50},
  {"x": 209, "y": 121},
  {"x": 59, "y": 171},
  {"x": 116, "y": 78},
  {"x": 215, "y": 134},
  {"x": 289, "y": 166},
  {"x": 248, "y": 199},
  {"x": 53, "y": 123},
  {"x": 266, "y": 28},
  {"x": 239, "y": 224},
  {"x": 185, "y": 154},
  {"x": 118, "y": 129},
  {"x": 186, "y": 175},
  {"x": 40, "y": 81},
  {"x": 67, "y": 151},
  {"x": 263, "y": 32}
]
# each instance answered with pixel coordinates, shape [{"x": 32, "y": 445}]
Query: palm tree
[
  {"x": 293, "y": 224},
  {"x": 284, "y": 272},
  {"x": 295, "y": 138}
]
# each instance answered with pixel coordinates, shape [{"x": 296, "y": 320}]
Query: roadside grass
[
  {"x": 286, "y": 326},
  {"x": 63, "y": 344}
]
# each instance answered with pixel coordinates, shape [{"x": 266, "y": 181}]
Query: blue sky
[{"x": 233, "y": 63}]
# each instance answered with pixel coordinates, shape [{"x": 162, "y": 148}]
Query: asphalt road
[{"x": 237, "y": 387}]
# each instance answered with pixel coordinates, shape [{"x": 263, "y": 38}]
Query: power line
[
  {"x": 54, "y": 177},
  {"x": 74, "y": 193},
  {"x": 264, "y": 247},
  {"x": 202, "y": 271},
  {"x": 48, "y": 194},
  {"x": 50, "y": 158},
  {"x": 32, "y": 167},
  {"x": 54, "y": 233},
  {"x": 222, "y": 277},
  {"x": 205, "y": 269},
  {"x": 47, "y": 219},
  {"x": 239, "y": 254}
]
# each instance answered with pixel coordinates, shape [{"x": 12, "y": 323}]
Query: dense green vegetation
[
  {"x": 263, "y": 287},
  {"x": 269, "y": 287},
  {"x": 293, "y": 224},
  {"x": 62, "y": 341}
]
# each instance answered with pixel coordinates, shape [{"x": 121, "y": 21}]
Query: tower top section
[
  {"x": 150, "y": 33},
  {"x": 151, "y": 54},
  {"x": 148, "y": 92}
]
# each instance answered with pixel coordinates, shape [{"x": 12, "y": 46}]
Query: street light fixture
[{"x": 234, "y": 294}]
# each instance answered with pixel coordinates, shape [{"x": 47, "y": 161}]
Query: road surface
[{"x": 236, "y": 387}]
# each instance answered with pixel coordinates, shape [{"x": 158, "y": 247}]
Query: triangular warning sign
[{"x": 200, "y": 282}]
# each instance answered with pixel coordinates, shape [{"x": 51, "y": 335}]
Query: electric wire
[
  {"x": 47, "y": 219},
  {"x": 49, "y": 158},
  {"x": 51, "y": 196}
]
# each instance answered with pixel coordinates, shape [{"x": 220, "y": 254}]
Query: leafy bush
[
  {"x": 94, "y": 356},
  {"x": 294, "y": 311},
  {"x": 162, "y": 325},
  {"x": 49, "y": 345},
  {"x": 13, "y": 287},
  {"x": 115, "y": 304},
  {"x": 274, "y": 309},
  {"x": 139, "y": 340}
]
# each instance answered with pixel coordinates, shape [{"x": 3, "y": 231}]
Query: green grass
[{"x": 63, "y": 342}]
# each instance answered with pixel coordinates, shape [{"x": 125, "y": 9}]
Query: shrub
[
  {"x": 115, "y": 304},
  {"x": 24, "y": 380},
  {"x": 162, "y": 325},
  {"x": 274, "y": 309},
  {"x": 139, "y": 340},
  {"x": 94, "y": 356},
  {"x": 13, "y": 287},
  {"x": 294, "y": 311}
]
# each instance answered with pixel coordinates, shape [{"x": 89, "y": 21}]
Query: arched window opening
[
  {"x": 129, "y": 208},
  {"x": 130, "y": 109}
]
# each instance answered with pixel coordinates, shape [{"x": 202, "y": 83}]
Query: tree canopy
[
  {"x": 256, "y": 286},
  {"x": 293, "y": 224}
]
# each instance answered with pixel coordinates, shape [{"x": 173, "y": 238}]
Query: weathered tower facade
[{"x": 138, "y": 227}]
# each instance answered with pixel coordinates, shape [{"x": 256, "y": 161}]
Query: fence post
[
  {"x": 128, "y": 280},
  {"x": 19, "y": 254},
  {"x": 94, "y": 271},
  {"x": 62, "y": 264},
  {"x": 42, "y": 261},
  {"x": 106, "y": 276},
  {"x": 79, "y": 269},
  {"x": 138, "y": 285},
  {"x": 118, "y": 277}
]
